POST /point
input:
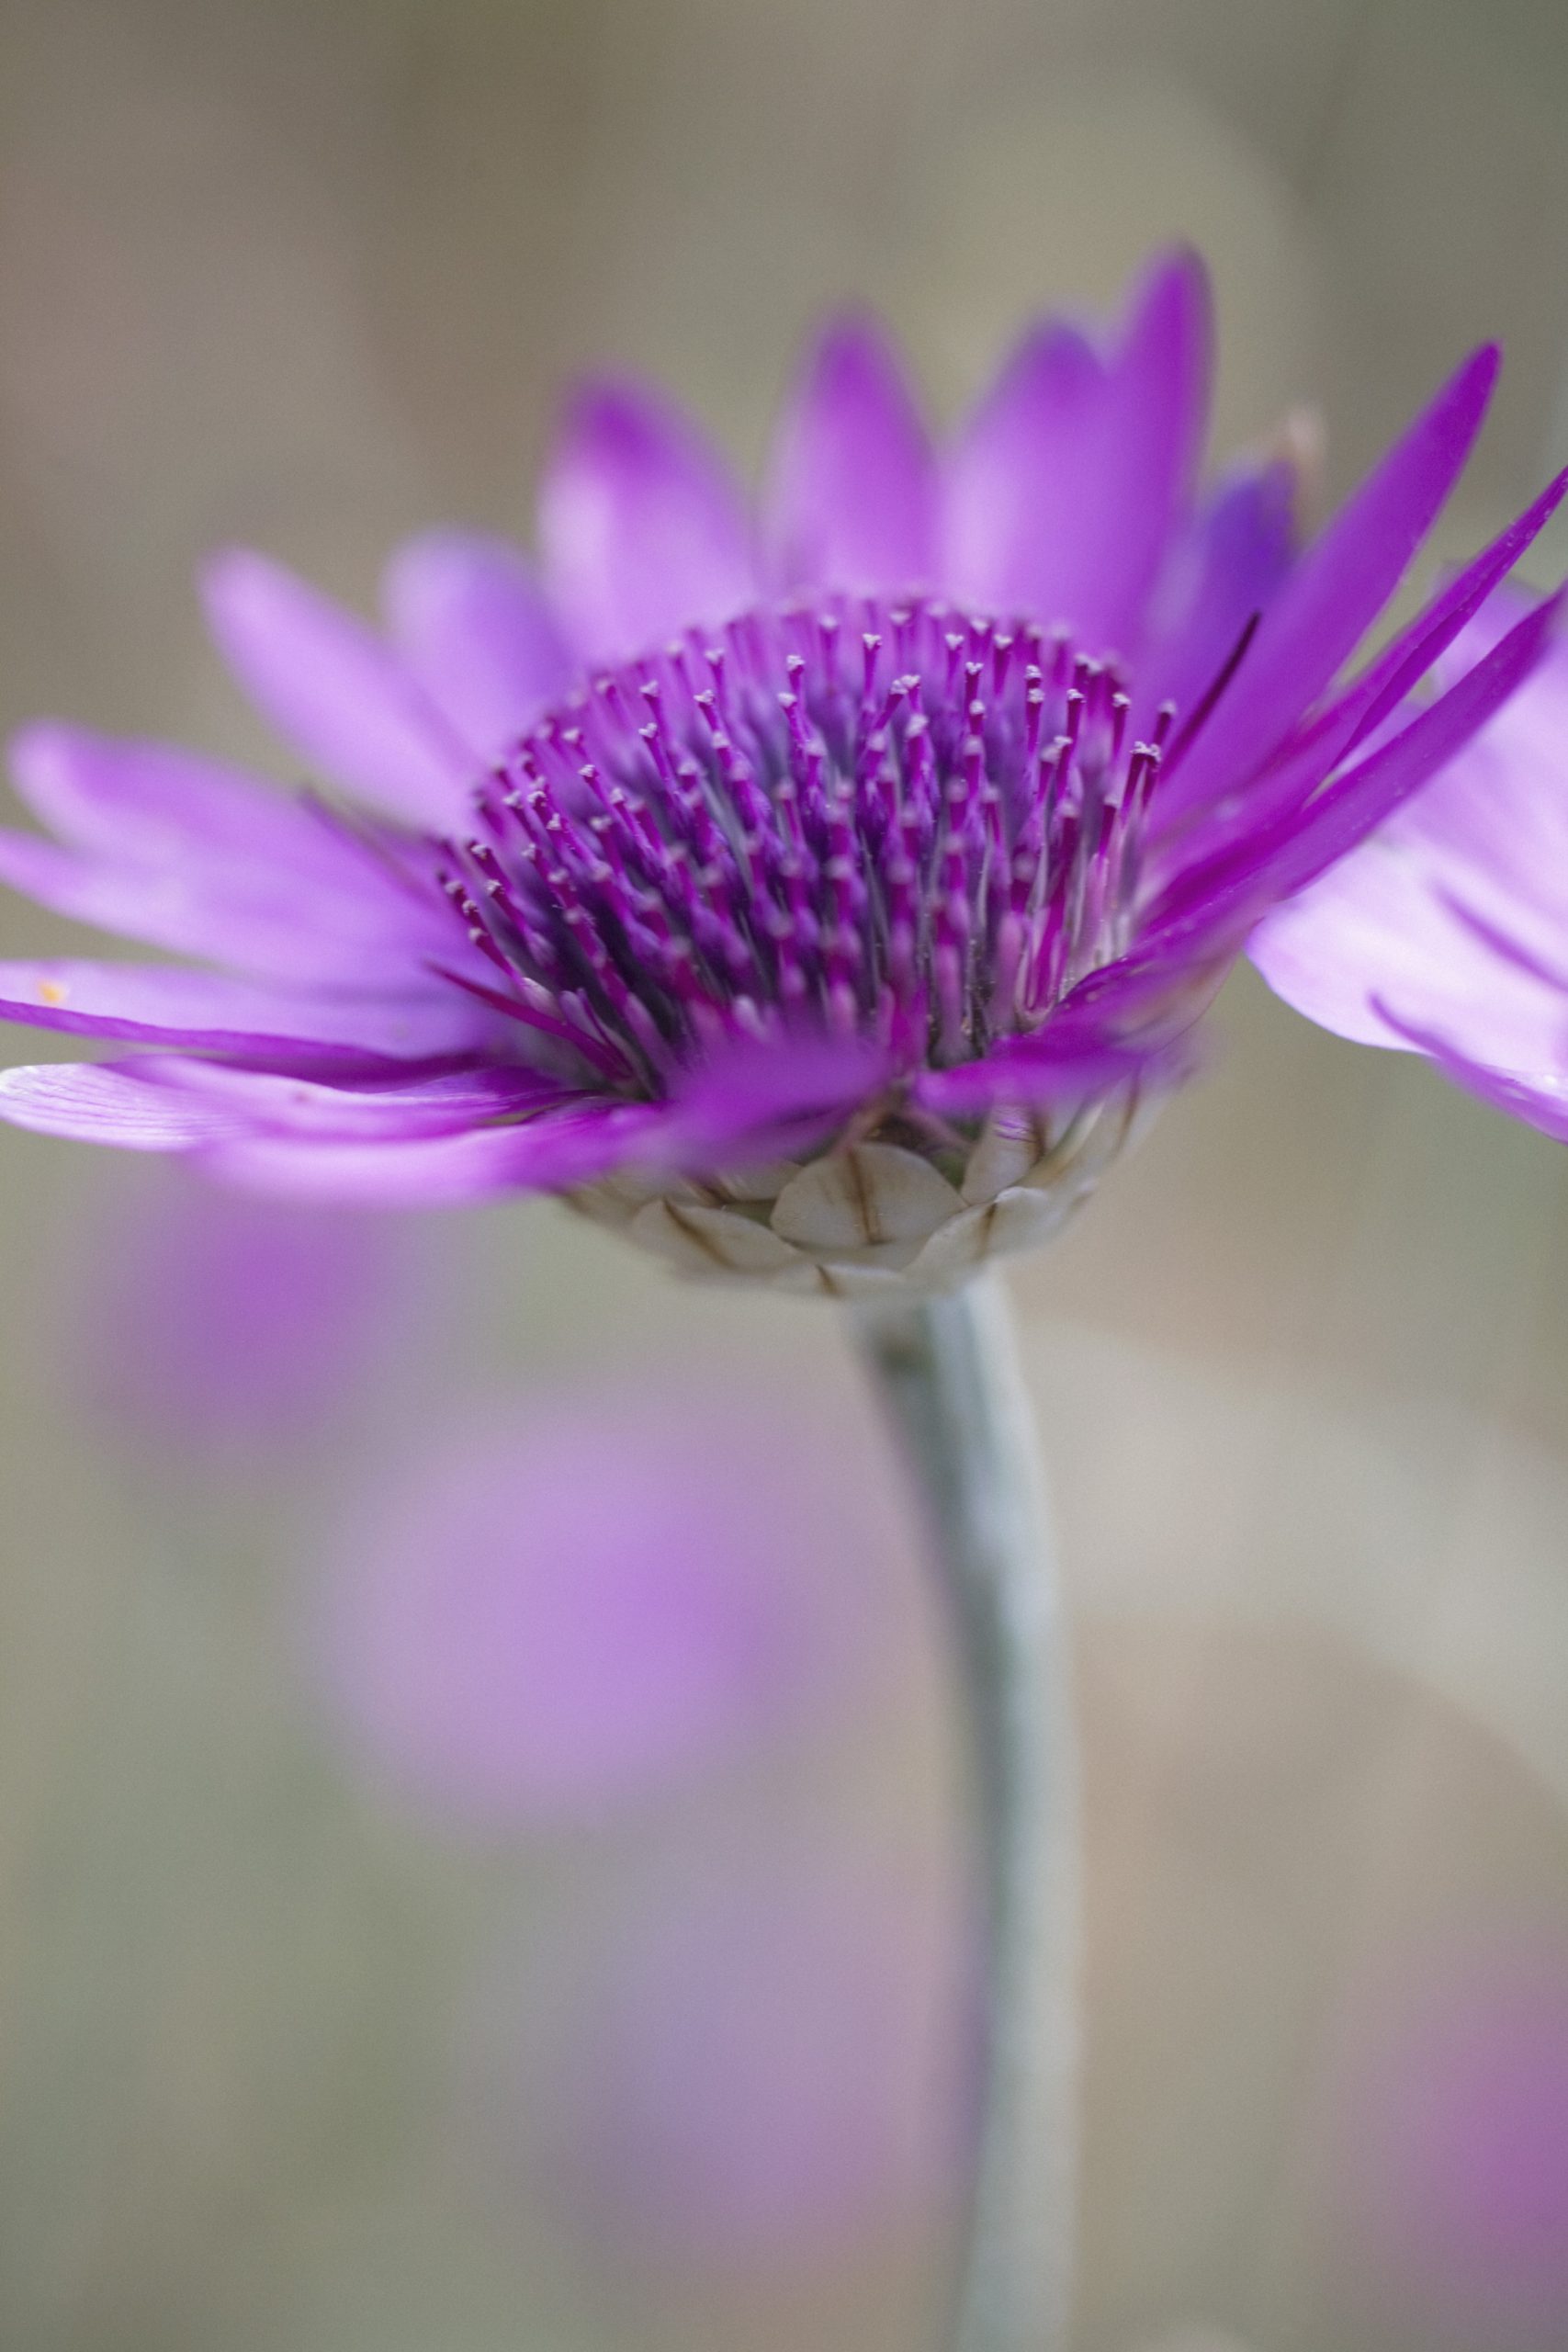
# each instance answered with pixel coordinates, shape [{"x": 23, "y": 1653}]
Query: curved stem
[{"x": 949, "y": 1371}]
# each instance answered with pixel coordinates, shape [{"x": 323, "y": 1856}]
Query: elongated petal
[
  {"x": 1374, "y": 931},
  {"x": 90, "y": 1102},
  {"x": 335, "y": 691},
  {"x": 1450, "y": 626},
  {"x": 1044, "y": 1072},
  {"x": 212, "y": 1012},
  {"x": 148, "y": 803},
  {"x": 1537, "y": 1095},
  {"x": 852, "y": 483},
  {"x": 189, "y": 856},
  {"x": 158, "y": 906},
  {"x": 269, "y": 1104},
  {"x": 1457, "y": 909},
  {"x": 1229, "y": 568},
  {"x": 409, "y": 1147},
  {"x": 548, "y": 1154},
  {"x": 250, "y": 919},
  {"x": 1063, "y": 492},
  {"x": 154, "y": 1103},
  {"x": 754, "y": 1101},
  {"x": 1368, "y": 703},
  {"x": 1354, "y": 804},
  {"x": 1264, "y": 871},
  {"x": 1402, "y": 665},
  {"x": 471, "y": 623},
  {"x": 643, "y": 530},
  {"x": 1337, "y": 591}
]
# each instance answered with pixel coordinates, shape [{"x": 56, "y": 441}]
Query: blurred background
[{"x": 480, "y": 1851}]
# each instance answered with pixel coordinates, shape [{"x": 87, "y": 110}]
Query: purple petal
[
  {"x": 755, "y": 1099},
  {"x": 154, "y": 1103},
  {"x": 1064, "y": 490},
  {"x": 1336, "y": 591},
  {"x": 1230, "y": 566},
  {"x": 334, "y": 691},
  {"x": 1421, "y": 916},
  {"x": 91, "y": 1102},
  {"x": 1538, "y": 1096},
  {"x": 643, "y": 529},
  {"x": 249, "y": 917},
  {"x": 548, "y": 1154},
  {"x": 1059, "y": 1071},
  {"x": 272, "y": 1105},
  {"x": 1466, "y": 604},
  {"x": 470, "y": 620},
  {"x": 1367, "y": 795},
  {"x": 1261, "y": 871},
  {"x": 204, "y": 860},
  {"x": 148, "y": 803},
  {"x": 318, "y": 1032},
  {"x": 852, "y": 496},
  {"x": 1374, "y": 931},
  {"x": 1369, "y": 703}
]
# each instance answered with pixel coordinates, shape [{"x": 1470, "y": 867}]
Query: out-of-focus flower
[
  {"x": 215, "y": 1324},
  {"x": 564, "y": 1604},
  {"x": 736, "y": 2065},
  {"x": 1446, "y": 933},
  {"x": 815, "y": 898},
  {"x": 1456, "y": 2153}
]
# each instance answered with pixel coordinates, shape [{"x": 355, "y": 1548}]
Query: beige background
[{"x": 311, "y": 272}]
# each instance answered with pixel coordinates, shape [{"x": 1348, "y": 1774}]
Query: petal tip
[
  {"x": 853, "y": 340},
  {"x": 1471, "y": 386},
  {"x": 614, "y": 414},
  {"x": 230, "y": 579},
  {"x": 40, "y": 745},
  {"x": 444, "y": 558},
  {"x": 1176, "y": 273},
  {"x": 225, "y": 566}
]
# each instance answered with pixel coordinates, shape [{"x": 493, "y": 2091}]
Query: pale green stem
[{"x": 949, "y": 1371}]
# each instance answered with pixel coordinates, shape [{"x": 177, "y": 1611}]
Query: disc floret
[{"x": 890, "y": 819}]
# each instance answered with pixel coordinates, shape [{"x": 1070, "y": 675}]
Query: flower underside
[{"x": 886, "y": 819}]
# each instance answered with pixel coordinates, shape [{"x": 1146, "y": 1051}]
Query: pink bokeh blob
[{"x": 562, "y": 1601}]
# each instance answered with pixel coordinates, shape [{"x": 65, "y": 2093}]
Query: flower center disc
[{"x": 890, "y": 819}]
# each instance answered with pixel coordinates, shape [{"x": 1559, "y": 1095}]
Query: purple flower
[
  {"x": 815, "y": 896},
  {"x": 558, "y": 1605},
  {"x": 1447, "y": 932}
]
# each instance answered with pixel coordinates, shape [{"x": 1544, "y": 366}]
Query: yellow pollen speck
[{"x": 51, "y": 992}]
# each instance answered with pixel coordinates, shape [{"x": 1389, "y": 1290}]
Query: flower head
[{"x": 820, "y": 900}]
